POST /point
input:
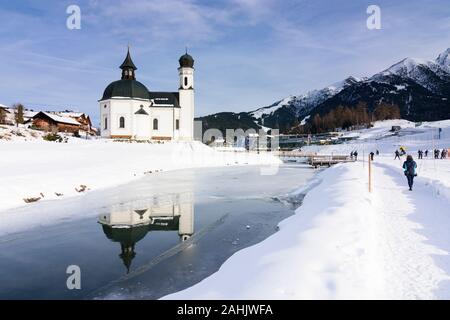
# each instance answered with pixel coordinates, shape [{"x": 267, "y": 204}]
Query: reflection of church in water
[{"x": 130, "y": 223}]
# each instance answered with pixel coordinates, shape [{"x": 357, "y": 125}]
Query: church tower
[
  {"x": 186, "y": 97},
  {"x": 128, "y": 68}
]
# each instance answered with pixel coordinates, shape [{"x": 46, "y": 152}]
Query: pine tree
[{"x": 18, "y": 113}]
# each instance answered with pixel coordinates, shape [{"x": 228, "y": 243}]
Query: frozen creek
[{"x": 146, "y": 239}]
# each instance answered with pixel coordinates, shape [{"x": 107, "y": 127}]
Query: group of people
[
  {"x": 409, "y": 166},
  {"x": 443, "y": 154},
  {"x": 354, "y": 155}
]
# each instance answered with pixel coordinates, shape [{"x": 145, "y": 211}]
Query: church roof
[
  {"x": 165, "y": 99},
  {"x": 143, "y": 112},
  {"x": 128, "y": 63},
  {"x": 126, "y": 88},
  {"x": 186, "y": 61}
]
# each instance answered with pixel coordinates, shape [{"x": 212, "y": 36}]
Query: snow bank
[
  {"x": 32, "y": 168},
  {"x": 344, "y": 243},
  {"x": 323, "y": 251},
  {"x": 347, "y": 243}
]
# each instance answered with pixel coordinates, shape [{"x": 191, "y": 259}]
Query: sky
[{"x": 248, "y": 53}]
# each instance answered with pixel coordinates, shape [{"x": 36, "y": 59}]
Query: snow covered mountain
[
  {"x": 301, "y": 104},
  {"x": 444, "y": 59},
  {"x": 421, "y": 88}
]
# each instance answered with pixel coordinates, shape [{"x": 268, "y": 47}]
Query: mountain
[
  {"x": 444, "y": 59},
  {"x": 285, "y": 113},
  {"x": 421, "y": 89}
]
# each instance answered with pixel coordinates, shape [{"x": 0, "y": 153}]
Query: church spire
[{"x": 128, "y": 67}]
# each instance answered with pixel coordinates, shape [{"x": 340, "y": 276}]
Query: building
[
  {"x": 82, "y": 118},
  {"x": 129, "y": 223},
  {"x": 128, "y": 110},
  {"x": 51, "y": 122},
  {"x": 7, "y": 115},
  {"x": 76, "y": 123}
]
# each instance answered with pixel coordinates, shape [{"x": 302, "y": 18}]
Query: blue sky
[{"x": 249, "y": 53}]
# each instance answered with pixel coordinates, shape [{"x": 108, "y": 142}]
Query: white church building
[{"x": 128, "y": 110}]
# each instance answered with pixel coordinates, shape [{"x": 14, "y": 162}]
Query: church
[{"x": 128, "y": 110}]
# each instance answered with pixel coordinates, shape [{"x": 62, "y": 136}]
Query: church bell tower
[{"x": 186, "y": 97}]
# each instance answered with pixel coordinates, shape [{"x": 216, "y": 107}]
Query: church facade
[{"x": 128, "y": 110}]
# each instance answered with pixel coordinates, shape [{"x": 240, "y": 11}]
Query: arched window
[
  {"x": 177, "y": 124},
  {"x": 155, "y": 124},
  {"x": 106, "y": 124},
  {"x": 185, "y": 81},
  {"x": 121, "y": 122}
]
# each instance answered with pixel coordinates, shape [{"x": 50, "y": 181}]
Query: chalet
[
  {"x": 7, "y": 115},
  {"x": 52, "y": 122},
  {"x": 82, "y": 118}
]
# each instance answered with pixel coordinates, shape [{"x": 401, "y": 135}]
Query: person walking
[
  {"x": 378, "y": 152},
  {"x": 397, "y": 155},
  {"x": 420, "y": 154},
  {"x": 426, "y": 153},
  {"x": 356, "y": 155},
  {"x": 371, "y": 156},
  {"x": 409, "y": 169},
  {"x": 443, "y": 154}
]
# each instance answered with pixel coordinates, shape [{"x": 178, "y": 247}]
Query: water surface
[{"x": 146, "y": 239}]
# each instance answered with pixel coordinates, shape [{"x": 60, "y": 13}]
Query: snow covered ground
[
  {"x": 33, "y": 168},
  {"x": 342, "y": 243},
  {"x": 347, "y": 243}
]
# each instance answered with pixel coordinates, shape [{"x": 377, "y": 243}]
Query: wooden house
[{"x": 51, "y": 122}]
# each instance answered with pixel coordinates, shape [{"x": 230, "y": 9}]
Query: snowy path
[
  {"x": 344, "y": 243},
  {"x": 409, "y": 225}
]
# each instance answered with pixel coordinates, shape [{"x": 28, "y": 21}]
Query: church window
[
  {"x": 185, "y": 81},
  {"x": 106, "y": 124},
  {"x": 121, "y": 122},
  {"x": 155, "y": 124},
  {"x": 177, "y": 124}
]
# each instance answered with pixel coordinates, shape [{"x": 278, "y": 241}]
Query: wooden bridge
[{"x": 315, "y": 160}]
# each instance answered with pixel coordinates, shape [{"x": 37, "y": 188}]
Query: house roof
[
  {"x": 29, "y": 114},
  {"x": 70, "y": 114},
  {"x": 4, "y": 107},
  {"x": 57, "y": 118}
]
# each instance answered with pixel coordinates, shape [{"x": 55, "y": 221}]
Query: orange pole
[{"x": 370, "y": 174}]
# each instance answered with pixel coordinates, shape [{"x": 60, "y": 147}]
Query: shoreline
[{"x": 135, "y": 161}]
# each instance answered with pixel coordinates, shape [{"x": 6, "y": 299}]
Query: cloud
[{"x": 248, "y": 52}]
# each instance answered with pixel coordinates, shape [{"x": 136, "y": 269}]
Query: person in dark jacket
[
  {"x": 397, "y": 155},
  {"x": 355, "y": 154},
  {"x": 409, "y": 168},
  {"x": 371, "y": 156},
  {"x": 426, "y": 153},
  {"x": 420, "y": 154}
]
